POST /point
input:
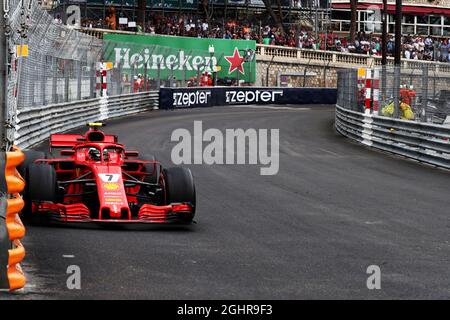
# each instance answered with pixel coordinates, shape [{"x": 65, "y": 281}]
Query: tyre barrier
[
  {"x": 35, "y": 124},
  {"x": 170, "y": 98},
  {"x": 12, "y": 230},
  {"x": 424, "y": 142}
]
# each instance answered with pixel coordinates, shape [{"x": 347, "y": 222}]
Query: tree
[
  {"x": 208, "y": 10},
  {"x": 353, "y": 13},
  {"x": 142, "y": 4},
  {"x": 277, "y": 18}
]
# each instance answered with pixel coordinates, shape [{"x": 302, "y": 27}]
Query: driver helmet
[{"x": 94, "y": 154}]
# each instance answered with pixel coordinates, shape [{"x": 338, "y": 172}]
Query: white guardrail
[
  {"x": 424, "y": 142},
  {"x": 35, "y": 124}
]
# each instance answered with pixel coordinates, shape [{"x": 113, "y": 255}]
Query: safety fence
[
  {"x": 36, "y": 124},
  {"x": 50, "y": 63},
  {"x": 394, "y": 110},
  {"x": 12, "y": 230},
  {"x": 413, "y": 94}
]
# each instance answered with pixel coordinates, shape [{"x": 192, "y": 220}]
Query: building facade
[{"x": 422, "y": 17}]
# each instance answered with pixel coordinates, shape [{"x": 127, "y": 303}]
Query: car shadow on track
[{"x": 110, "y": 226}]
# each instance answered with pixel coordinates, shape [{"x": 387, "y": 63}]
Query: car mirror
[
  {"x": 131, "y": 154},
  {"x": 67, "y": 152}
]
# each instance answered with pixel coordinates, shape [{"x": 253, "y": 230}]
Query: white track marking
[
  {"x": 271, "y": 107},
  {"x": 330, "y": 152}
]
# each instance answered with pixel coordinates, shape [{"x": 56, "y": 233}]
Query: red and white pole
[
  {"x": 101, "y": 80},
  {"x": 376, "y": 90},
  {"x": 98, "y": 81},
  {"x": 104, "y": 81},
  {"x": 368, "y": 97}
]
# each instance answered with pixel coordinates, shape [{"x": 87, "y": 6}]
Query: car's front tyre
[{"x": 180, "y": 187}]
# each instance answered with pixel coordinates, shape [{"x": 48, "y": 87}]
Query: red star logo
[{"x": 236, "y": 62}]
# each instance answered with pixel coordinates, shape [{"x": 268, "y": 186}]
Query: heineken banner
[{"x": 181, "y": 57}]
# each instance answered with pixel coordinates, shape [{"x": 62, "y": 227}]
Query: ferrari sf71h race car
[{"x": 97, "y": 180}]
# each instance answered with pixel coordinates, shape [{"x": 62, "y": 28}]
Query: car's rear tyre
[
  {"x": 41, "y": 183},
  {"x": 180, "y": 186}
]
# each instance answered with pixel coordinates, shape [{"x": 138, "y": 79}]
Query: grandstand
[{"x": 310, "y": 13}]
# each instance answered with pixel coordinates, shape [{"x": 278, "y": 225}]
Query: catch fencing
[
  {"x": 50, "y": 63},
  {"x": 399, "y": 111},
  {"x": 416, "y": 93}
]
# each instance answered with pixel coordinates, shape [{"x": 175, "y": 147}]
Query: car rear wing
[{"x": 70, "y": 140}]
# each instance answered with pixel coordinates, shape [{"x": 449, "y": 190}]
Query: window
[
  {"x": 435, "y": 20},
  {"x": 362, "y": 27},
  {"x": 422, "y": 19},
  {"x": 446, "y": 31},
  {"x": 408, "y": 29},
  {"x": 391, "y": 28},
  {"x": 422, "y": 30},
  {"x": 340, "y": 15},
  {"x": 345, "y": 26},
  {"x": 408, "y": 19},
  {"x": 435, "y": 31}
]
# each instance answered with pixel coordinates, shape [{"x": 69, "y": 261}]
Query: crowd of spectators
[{"x": 189, "y": 25}]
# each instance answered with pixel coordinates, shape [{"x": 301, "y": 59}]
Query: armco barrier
[
  {"x": 424, "y": 142},
  {"x": 35, "y": 124},
  {"x": 170, "y": 98},
  {"x": 12, "y": 230}
]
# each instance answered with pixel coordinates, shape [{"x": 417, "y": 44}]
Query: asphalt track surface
[{"x": 308, "y": 232}]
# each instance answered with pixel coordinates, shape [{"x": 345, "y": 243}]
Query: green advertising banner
[{"x": 181, "y": 57}]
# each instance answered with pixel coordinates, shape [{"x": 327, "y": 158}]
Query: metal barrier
[
  {"x": 424, "y": 142},
  {"x": 34, "y": 125}
]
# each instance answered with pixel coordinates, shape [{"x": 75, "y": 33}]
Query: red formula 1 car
[{"x": 97, "y": 180}]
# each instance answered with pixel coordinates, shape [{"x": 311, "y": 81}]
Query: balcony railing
[
  {"x": 338, "y": 59},
  {"x": 440, "y": 3}
]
